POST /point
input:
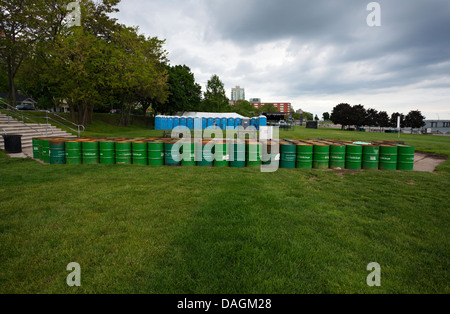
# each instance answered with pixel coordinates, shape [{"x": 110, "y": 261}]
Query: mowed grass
[{"x": 206, "y": 230}]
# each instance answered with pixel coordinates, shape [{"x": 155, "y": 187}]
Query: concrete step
[{"x": 29, "y": 131}]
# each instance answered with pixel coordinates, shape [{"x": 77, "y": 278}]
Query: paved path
[{"x": 427, "y": 162}]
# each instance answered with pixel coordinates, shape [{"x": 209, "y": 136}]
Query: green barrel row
[
  {"x": 57, "y": 152},
  {"x": 237, "y": 154}
]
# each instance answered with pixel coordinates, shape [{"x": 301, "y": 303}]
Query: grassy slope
[{"x": 196, "y": 230}]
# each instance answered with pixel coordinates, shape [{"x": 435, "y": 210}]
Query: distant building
[
  {"x": 437, "y": 127},
  {"x": 237, "y": 93},
  {"x": 252, "y": 100},
  {"x": 284, "y": 107}
]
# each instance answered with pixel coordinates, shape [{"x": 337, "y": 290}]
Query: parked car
[
  {"x": 25, "y": 107},
  {"x": 115, "y": 111}
]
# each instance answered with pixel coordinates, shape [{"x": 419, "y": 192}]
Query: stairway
[{"x": 28, "y": 131}]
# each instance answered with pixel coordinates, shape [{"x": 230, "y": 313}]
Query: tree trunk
[{"x": 11, "y": 86}]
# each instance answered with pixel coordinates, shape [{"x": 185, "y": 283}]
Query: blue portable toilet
[
  {"x": 253, "y": 122},
  {"x": 210, "y": 123},
  {"x": 197, "y": 123},
  {"x": 223, "y": 123},
  {"x": 163, "y": 122},
  {"x": 190, "y": 123},
  {"x": 170, "y": 121},
  {"x": 237, "y": 122},
  {"x": 230, "y": 125},
  {"x": 204, "y": 123},
  {"x": 217, "y": 122},
  {"x": 183, "y": 121},
  {"x": 158, "y": 122},
  {"x": 262, "y": 121},
  {"x": 176, "y": 121}
]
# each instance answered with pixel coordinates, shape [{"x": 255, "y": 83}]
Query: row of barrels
[
  {"x": 329, "y": 154},
  {"x": 153, "y": 152},
  {"x": 303, "y": 154}
]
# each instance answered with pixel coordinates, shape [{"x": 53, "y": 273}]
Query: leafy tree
[
  {"x": 308, "y": 116},
  {"x": 22, "y": 22},
  {"x": 185, "y": 93},
  {"x": 269, "y": 108},
  {"x": 357, "y": 115},
  {"x": 326, "y": 116},
  {"x": 245, "y": 108},
  {"x": 215, "y": 99},
  {"x": 382, "y": 119},
  {"x": 394, "y": 120},
  {"x": 341, "y": 114},
  {"x": 316, "y": 118},
  {"x": 415, "y": 120},
  {"x": 371, "y": 117}
]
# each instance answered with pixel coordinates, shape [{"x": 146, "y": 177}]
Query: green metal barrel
[
  {"x": 140, "y": 153},
  {"x": 321, "y": 158},
  {"x": 253, "y": 154},
  {"x": 388, "y": 157},
  {"x": 172, "y": 153},
  {"x": 405, "y": 157},
  {"x": 45, "y": 150},
  {"x": 188, "y": 154},
  {"x": 36, "y": 143},
  {"x": 90, "y": 152},
  {"x": 288, "y": 153},
  {"x": 305, "y": 154},
  {"x": 205, "y": 154},
  {"x": 371, "y": 157},
  {"x": 221, "y": 156},
  {"x": 337, "y": 156},
  {"x": 107, "y": 152},
  {"x": 57, "y": 152},
  {"x": 238, "y": 156},
  {"x": 73, "y": 153},
  {"x": 155, "y": 153},
  {"x": 353, "y": 157},
  {"x": 124, "y": 153}
]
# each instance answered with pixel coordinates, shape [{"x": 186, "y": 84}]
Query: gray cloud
[{"x": 292, "y": 48}]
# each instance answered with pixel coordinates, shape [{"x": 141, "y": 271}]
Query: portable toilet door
[
  {"x": 230, "y": 125},
  {"x": 204, "y": 123},
  {"x": 170, "y": 123},
  {"x": 158, "y": 122},
  {"x": 223, "y": 123},
  {"x": 164, "y": 122},
  {"x": 197, "y": 123},
  {"x": 176, "y": 122},
  {"x": 246, "y": 123},
  {"x": 210, "y": 123},
  {"x": 190, "y": 123},
  {"x": 253, "y": 122},
  {"x": 262, "y": 121},
  {"x": 216, "y": 123},
  {"x": 237, "y": 122},
  {"x": 183, "y": 121}
]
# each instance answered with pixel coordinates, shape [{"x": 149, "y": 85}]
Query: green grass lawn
[{"x": 195, "y": 230}]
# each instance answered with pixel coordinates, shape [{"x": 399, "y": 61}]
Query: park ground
[{"x": 137, "y": 229}]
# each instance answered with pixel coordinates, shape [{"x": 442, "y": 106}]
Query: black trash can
[{"x": 13, "y": 143}]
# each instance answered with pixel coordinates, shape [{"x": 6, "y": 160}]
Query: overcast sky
[{"x": 312, "y": 53}]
